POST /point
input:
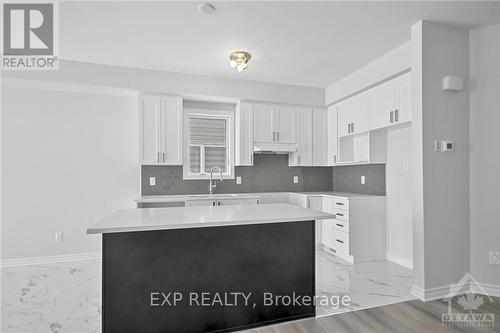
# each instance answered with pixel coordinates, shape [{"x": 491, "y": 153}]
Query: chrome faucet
[{"x": 212, "y": 184}]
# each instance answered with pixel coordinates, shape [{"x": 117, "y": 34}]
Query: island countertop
[{"x": 143, "y": 219}]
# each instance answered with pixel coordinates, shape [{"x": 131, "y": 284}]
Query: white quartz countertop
[
  {"x": 194, "y": 197},
  {"x": 347, "y": 195},
  {"x": 142, "y": 219},
  {"x": 191, "y": 197}
]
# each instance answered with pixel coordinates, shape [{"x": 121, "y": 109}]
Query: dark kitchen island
[{"x": 207, "y": 269}]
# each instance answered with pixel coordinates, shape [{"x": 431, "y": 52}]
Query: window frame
[{"x": 208, "y": 114}]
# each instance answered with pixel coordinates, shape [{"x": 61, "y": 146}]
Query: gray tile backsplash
[
  {"x": 270, "y": 173},
  {"x": 348, "y": 179}
]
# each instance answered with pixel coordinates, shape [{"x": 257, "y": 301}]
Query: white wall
[
  {"x": 484, "y": 153},
  {"x": 389, "y": 65},
  {"x": 399, "y": 196},
  {"x": 68, "y": 160},
  {"x": 174, "y": 83},
  {"x": 440, "y": 180}
]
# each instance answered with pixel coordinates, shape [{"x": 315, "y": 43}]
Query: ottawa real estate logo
[
  {"x": 30, "y": 36},
  {"x": 468, "y": 310}
]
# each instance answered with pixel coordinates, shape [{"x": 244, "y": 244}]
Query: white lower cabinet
[{"x": 358, "y": 231}]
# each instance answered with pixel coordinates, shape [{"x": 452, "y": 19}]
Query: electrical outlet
[
  {"x": 495, "y": 257},
  {"x": 295, "y": 179},
  {"x": 406, "y": 165},
  {"x": 238, "y": 180},
  {"x": 152, "y": 181},
  {"x": 58, "y": 237},
  {"x": 363, "y": 180}
]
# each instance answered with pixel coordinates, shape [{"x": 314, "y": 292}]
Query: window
[{"x": 208, "y": 142}]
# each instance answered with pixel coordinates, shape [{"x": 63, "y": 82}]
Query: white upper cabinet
[
  {"x": 332, "y": 135},
  {"x": 274, "y": 123},
  {"x": 160, "y": 130},
  {"x": 320, "y": 137},
  {"x": 244, "y": 135},
  {"x": 403, "y": 98},
  {"x": 263, "y": 122},
  {"x": 390, "y": 102},
  {"x": 360, "y": 113},
  {"x": 344, "y": 117},
  {"x": 303, "y": 155},
  {"x": 284, "y": 124}
]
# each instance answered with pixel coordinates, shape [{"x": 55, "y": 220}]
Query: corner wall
[
  {"x": 440, "y": 180},
  {"x": 485, "y": 155}
]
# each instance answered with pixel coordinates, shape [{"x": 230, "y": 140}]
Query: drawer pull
[
  {"x": 339, "y": 203},
  {"x": 340, "y": 214},
  {"x": 340, "y": 225},
  {"x": 338, "y": 240}
]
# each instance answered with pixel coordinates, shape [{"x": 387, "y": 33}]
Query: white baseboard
[
  {"x": 399, "y": 260},
  {"x": 442, "y": 292},
  {"x": 491, "y": 289},
  {"x": 7, "y": 263}
]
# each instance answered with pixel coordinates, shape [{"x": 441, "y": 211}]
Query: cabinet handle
[
  {"x": 274, "y": 136},
  {"x": 348, "y": 128},
  {"x": 218, "y": 203},
  {"x": 339, "y": 214},
  {"x": 334, "y": 158},
  {"x": 391, "y": 117},
  {"x": 213, "y": 203},
  {"x": 164, "y": 157},
  {"x": 340, "y": 225},
  {"x": 277, "y": 136},
  {"x": 158, "y": 157},
  {"x": 338, "y": 240},
  {"x": 298, "y": 159},
  {"x": 396, "y": 116},
  {"x": 339, "y": 203},
  {"x": 352, "y": 127},
  {"x": 308, "y": 203}
]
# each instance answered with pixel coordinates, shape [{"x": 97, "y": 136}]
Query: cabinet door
[
  {"x": 244, "y": 135},
  {"x": 381, "y": 105},
  {"x": 150, "y": 130},
  {"x": 171, "y": 152},
  {"x": 320, "y": 138},
  {"x": 344, "y": 117},
  {"x": 285, "y": 127},
  {"x": 332, "y": 134},
  {"x": 360, "y": 113},
  {"x": 263, "y": 122},
  {"x": 403, "y": 98},
  {"x": 303, "y": 155}
]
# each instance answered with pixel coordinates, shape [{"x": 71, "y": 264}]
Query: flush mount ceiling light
[
  {"x": 206, "y": 8},
  {"x": 239, "y": 60}
]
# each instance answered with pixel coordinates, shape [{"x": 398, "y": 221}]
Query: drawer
[
  {"x": 341, "y": 225},
  {"x": 341, "y": 214},
  {"x": 341, "y": 240},
  {"x": 340, "y": 203}
]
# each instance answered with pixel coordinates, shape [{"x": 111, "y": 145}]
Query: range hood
[{"x": 278, "y": 148}]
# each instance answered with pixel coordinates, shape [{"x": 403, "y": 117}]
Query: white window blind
[{"x": 207, "y": 144}]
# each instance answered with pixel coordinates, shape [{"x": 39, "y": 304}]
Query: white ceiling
[{"x": 299, "y": 43}]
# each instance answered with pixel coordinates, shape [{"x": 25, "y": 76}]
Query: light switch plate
[
  {"x": 295, "y": 179},
  {"x": 152, "y": 181},
  {"x": 238, "y": 180},
  {"x": 406, "y": 165},
  {"x": 494, "y": 257},
  {"x": 363, "y": 180}
]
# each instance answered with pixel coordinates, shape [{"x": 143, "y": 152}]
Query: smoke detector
[{"x": 206, "y": 8}]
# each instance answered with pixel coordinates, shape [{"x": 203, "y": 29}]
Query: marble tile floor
[{"x": 66, "y": 297}]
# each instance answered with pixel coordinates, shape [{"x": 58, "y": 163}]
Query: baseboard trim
[
  {"x": 7, "y": 263},
  {"x": 491, "y": 289},
  {"x": 399, "y": 260},
  {"x": 442, "y": 292}
]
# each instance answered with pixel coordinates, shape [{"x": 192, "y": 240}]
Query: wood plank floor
[{"x": 407, "y": 317}]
